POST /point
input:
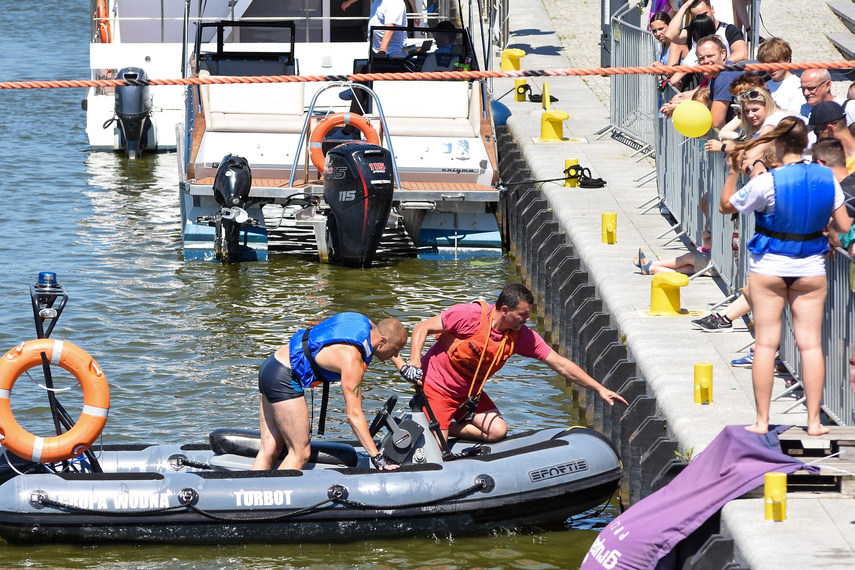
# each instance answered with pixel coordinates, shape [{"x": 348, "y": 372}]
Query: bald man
[
  {"x": 816, "y": 88},
  {"x": 338, "y": 349}
]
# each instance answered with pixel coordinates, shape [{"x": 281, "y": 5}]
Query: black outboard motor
[
  {"x": 133, "y": 111},
  {"x": 358, "y": 188},
  {"x": 231, "y": 190}
]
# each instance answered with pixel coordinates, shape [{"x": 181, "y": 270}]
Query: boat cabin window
[
  {"x": 246, "y": 48},
  {"x": 317, "y": 20}
]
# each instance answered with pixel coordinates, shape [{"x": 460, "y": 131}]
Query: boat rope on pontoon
[
  {"x": 486, "y": 74},
  {"x": 336, "y": 494}
]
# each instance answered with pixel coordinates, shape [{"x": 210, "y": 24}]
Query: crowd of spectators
[{"x": 758, "y": 121}]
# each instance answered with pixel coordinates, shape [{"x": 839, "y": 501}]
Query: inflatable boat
[
  {"x": 205, "y": 494},
  {"x": 66, "y": 489}
]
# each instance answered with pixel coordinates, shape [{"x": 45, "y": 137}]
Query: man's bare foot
[
  {"x": 758, "y": 427},
  {"x": 818, "y": 429}
]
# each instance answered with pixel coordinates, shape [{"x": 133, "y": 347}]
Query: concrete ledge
[
  {"x": 846, "y": 12},
  {"x": 761, "y": 543}
]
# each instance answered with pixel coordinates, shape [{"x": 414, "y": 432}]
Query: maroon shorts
[{"x": 446, "y": 408}]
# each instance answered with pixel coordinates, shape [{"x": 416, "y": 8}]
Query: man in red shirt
[{"x": 475, "y": 340}]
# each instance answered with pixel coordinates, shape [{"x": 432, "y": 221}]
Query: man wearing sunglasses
[
  {"x": 816, "y": 88},
  {"x": 828, "y": 121}
]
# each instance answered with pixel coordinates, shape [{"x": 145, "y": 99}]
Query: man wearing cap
[
  {"x": 816, "y": 87},
  {"x": 828, "y": 120}
]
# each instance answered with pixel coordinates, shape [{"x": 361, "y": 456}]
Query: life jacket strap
[
  {"x": 325, "y": 393},
  {"x": 787, "y": 236}
]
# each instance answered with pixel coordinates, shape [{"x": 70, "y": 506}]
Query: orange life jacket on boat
[{"x": 478, "y": 357}]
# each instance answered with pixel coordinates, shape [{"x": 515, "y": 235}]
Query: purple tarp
[{"x": 733, "y": 464}]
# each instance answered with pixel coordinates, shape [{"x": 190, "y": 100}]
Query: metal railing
[
  {"x": 685, "y": 173},
  {"x": 633, "y": 95}
]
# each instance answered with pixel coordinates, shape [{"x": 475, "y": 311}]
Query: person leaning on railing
[
  {"x": 732, "y": 131},
  {"x": 669, "y": 52},
  {"x": 712, "y": 52},
  {"x": 792, "y": 205},
  {"x": 701, "y": 26}
]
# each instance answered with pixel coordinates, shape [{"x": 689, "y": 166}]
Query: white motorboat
[
  {"x": 137, "y": 40},
  {"x": 435, "y": 136}
]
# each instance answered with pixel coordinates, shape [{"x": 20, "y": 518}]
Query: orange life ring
[
  {"x": 337, "y": 120},
  {"x": 103, "y": 14},
  {"x": 96, "y": 401}
]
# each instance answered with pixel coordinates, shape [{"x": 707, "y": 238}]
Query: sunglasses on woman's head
[{"x": 752, "y": 95}]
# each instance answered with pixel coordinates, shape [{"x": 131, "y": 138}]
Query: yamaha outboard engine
[
  {"x": 358, "y": 188},
  {"x": 133, "y": 111},
  {"x": 231, "y": 190}
]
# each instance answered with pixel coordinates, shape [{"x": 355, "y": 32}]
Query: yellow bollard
[
  {"x": 519, "y": 90},
  {"x": 703, "y": 383},
  {"x": 552, "y": 126},
  {"x": 609, "y": 227},
  {"x": 546, "y": 101},
  {"x": 665, "y": 293},
  {"x": 511, "y": 59},
  {"x": 572, "y": 176},
  {"x": 775, "y": 494}
]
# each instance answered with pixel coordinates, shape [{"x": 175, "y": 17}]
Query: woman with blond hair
[
  {"x": 732, "y": 131},
  {"x": 792, "y": 205},
  {"x": 760, "y": 113}
]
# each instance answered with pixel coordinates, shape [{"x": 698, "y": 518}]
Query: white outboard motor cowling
[{"x": 133, "y": 111}]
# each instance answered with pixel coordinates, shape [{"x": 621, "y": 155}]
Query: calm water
[{"x": 181, "y": 342}]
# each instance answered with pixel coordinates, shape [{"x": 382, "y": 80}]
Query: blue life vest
[
  {"x": 804, "y": 199},
  {"x": 343, "y": 328}
]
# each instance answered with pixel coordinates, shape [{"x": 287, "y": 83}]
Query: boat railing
[{"x": 310, "y": 114}]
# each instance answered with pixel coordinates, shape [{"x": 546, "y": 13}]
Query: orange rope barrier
[{"x": 361, "y": 77}]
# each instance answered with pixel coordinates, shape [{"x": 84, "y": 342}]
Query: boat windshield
[
  {"x": 440, "y": 48},
  {"x": 238, "y": 48}
]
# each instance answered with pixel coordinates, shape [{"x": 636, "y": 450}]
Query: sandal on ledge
[
  {"x": 642, "y": 263},
  {"x": 638, "y": 261}
]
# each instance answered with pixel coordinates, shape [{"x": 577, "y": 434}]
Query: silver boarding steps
[{"x": 284, "y": 237}]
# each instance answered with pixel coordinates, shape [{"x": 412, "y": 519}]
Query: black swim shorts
[{"x": 276, "y": 383}]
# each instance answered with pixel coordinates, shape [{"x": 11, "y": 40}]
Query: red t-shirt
[{"x": 462, "y": 321}]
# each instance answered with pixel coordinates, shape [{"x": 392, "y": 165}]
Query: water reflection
[{"x": 547, "y": 549}]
